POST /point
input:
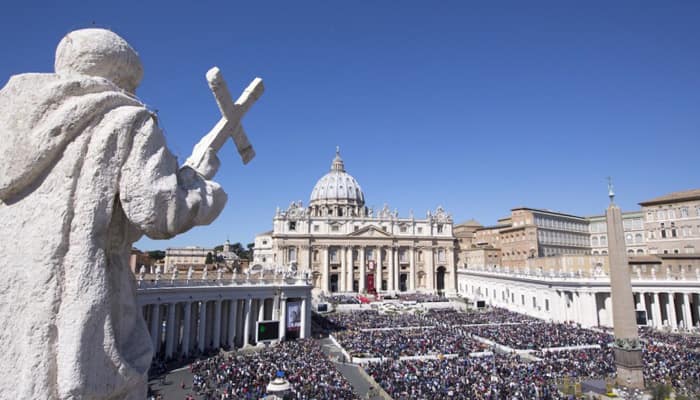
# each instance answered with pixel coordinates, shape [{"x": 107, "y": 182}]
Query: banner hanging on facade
[{"x": 293, "y": 315}]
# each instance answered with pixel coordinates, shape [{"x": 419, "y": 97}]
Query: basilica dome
[{"x": 337, "y": 187}]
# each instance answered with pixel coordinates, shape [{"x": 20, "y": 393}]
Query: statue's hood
[{"x": 39, "y": 115}]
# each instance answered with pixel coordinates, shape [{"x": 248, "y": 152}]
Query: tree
[
  {"x": 156, "y": 254},
  {"x": 219, "y": 248},
  {"x": 249, "y": 252},
  {"x": 209, "y": 259}
]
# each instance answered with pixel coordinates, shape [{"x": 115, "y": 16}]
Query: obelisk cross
[{"x": 230, "y": 122}]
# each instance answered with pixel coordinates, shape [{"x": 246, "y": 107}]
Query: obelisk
[{"x": 628, "y": 350}]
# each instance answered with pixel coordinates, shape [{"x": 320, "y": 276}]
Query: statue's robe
[{"x": 84, "y": 172}]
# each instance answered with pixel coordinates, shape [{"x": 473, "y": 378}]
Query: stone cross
[{"x": 230, "y": 122}]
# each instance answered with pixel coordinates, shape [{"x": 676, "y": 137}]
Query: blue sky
[{"x": 476, "y": 106}]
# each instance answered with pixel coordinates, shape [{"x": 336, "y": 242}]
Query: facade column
[
  {"x": 671, "y": 311},
  {"x": 411, "y": 269},
  {"x": 305, "y": 303},
  {"x": 283, "y": 317},
  {"x": 202, "y": 328},
  {"x": 170, "y": 332},
  {"x": 362, "y": 278},
  {"x": 155, "y": 328},
  {"x": 656, "y": 311},
  {"x": 261, "y": 309},
  {"x": 449, "y": 252},
  {"x": 350, "y": 270},
  {"x": 186, "y": 333},
  {"x": 326, "y": 276},
  {"x": 429, "y": 262},
  {"x": 246, "y": 325},
  {"x": 391, "y": 270},
  {"x": 217, "y": 324},
  {"x": 343, "y": 273},
  {"x": 378, "y": 269},
  {"x": 687, "y": 315},
  {"x": 275, "y": 307},
  {"x": 232, "y": 311}
]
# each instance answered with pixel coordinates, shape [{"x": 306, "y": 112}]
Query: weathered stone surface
[{"x": 84, "y": 172}]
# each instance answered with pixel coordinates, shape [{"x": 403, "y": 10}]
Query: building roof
[
  {"x": 674, "y": 197},
  {"x": 471, "y": 222},
  {"x": 545, "y": 211}
]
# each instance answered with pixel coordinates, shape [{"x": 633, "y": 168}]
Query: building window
[
  {"x": 684, "y": 212},
  {"x": 340, "y": 212},
  {"x": 334, "y": 256},
  {"x": 292, "y": 253},
  {"x": 264, "y": 242},
  {"x": 546, "y": 304},
  {"x": 335, "y": 228},
  {"x": 420, "y": 229},
  {"x": 316, "y": 228},
  {"x": 439, "y": 228},
  {"x": 292, "y": 225},
  {"x": 403, "y": 229},
  {"x": 441, "y": 255},
  {"x": 357, "y": 228}
]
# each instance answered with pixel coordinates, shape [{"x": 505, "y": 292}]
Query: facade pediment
[{"x": 370, "y": 231}]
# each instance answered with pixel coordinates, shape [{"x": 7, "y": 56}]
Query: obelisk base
[{"x": 629, "y": 367}]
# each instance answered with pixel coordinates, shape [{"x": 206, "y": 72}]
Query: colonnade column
[
  {"x": 343, "y": 274},
  {"x": 201, "y": 339},
  {"x": 283, "y": 317},
  {"x": 187, "y": 319},
  {"x": 326, "y": 277},
  {"x": 687, "y": 315},
  {"x": 656, "y": 311},
  {"x": 232, "y": 311},
  {"x": 361, "y": 282},
  {"x": 246, "y": 325},
  {"x": 155, "y": 327},
  {"x": 411, "y": 268},
  {"x": 217, "y": 324},
  {"x": 170, "y": 332},
  {"x": 378, "y": 269}
]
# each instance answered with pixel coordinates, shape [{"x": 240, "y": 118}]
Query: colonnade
[
  {"x": 670, "y": 309},
  {"x": 180, "y": 325},
  {"x": 587, "y": 302}
]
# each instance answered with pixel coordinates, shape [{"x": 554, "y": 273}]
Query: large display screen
[{"x": 268, "y": 330}]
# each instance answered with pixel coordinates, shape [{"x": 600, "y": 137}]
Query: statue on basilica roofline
[{"x": 85, "y": 168}]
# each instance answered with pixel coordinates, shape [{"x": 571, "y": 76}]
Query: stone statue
[
  {"x": 173, "y": 277},
  {"x": 190, "y": 272},
  {"x": 205, "y": 272},
  {"x": 219, "y": 273},
  {"x": 142, "y": 272},
  {"x": 159, "y": 273},
  {"x": 84, "y": 173}
]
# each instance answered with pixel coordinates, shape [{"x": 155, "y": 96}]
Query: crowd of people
[
  {"x": 397, "y": 343},
  {"x": 540, "y": 335},
  {"x": 490, "y": 316},
  {"x": 449, "y": 339},
  {"x": 464, "y": 378},
  {"x": 246, "y": 375}
]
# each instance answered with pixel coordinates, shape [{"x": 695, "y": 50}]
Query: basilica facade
[{"x": 350, "y": 248}]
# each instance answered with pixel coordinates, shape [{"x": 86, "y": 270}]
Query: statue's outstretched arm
[{"x": 158, "y": 196}]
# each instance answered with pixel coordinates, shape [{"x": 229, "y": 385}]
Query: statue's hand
[{"x": 209, "y": 164}]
